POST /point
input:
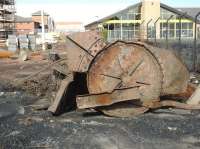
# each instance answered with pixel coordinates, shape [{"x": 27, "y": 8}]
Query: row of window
[
  {"x": 175, "y": 28},
  {"x": 127, "y": 35},
  {"x": 118, "y": 31},
  {"x": 135, "y": 14},
  {"x": 130, "y": 14}
]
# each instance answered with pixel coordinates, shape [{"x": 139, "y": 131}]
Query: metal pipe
[
  {"x": 43, "y": 30},
  {"x": 142, "y": 22},
  {"x": 148, "y": 29},
  {"x": 121, "y": 29},
  {"x": 141, "y": 29},
  {"x": 195, "y": 43},
  {"x": 167, "y": 31},
  {"x": 108, "y": 34},
  {"x": 155, "y": 23},
  {"x": 180, "y": 27}
]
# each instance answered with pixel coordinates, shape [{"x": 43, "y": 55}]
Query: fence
[
  {"x": 182, "y": 37},
  {"x": 185, "y": 51},
  {"x": 185, "y": 42}
]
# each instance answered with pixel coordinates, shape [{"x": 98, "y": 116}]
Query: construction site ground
[{"x": 23, "y": 127}]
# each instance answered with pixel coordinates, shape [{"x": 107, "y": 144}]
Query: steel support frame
[
  {"x": 167, "y": 31},
  {"x": 195, "y": 43}
]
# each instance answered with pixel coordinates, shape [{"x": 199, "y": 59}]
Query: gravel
[{"x": 21, "y": 127}]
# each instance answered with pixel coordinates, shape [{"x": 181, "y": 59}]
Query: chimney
[{"x": 150, "y": 10}]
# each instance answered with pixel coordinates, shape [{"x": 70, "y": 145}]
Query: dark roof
[
  {"x": 190, "y": 11},
  {"x": 189, "y": 15},
  {"x": 22, "y": 19},
  {"x": 174, "y": 10},
  {"x": 38, "y": 13}
]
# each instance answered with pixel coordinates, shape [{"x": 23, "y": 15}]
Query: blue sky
[{"x": 85, "y": 10}]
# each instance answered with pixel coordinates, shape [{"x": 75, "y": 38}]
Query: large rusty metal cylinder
[
  {"x": 123, "y": 79},
  {"x": 157, "y": 72},
  {"x": 150, "y": 72}
]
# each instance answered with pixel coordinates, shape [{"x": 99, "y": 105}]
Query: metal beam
[
  {"x": 180, "y": 29},
  {"x": 148, "y": 29},
  {"x": 155, "y": 29},
  {"x": 167, "y": 31},
  {"x": 106, "y": 99},
  {"x": 195, "y": 43}
]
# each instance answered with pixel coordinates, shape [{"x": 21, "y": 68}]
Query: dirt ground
[
  {"x": 22, "y": 127},
  {"x": 15, "y": 69}
]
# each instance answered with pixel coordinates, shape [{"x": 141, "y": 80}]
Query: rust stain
[
  {"x": 187, "y": 94},
  {"x": 105, "y": 99}
]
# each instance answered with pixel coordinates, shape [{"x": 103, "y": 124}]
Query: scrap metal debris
[
  {"x": 195, "y": 98},
  {"x": 120, "y": 79}
]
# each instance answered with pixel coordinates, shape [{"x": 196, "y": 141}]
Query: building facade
[
  {"x": 69, "y": 27},
  {"x": 26, "y": 26},
  {"x": 33, "y": 25},
  {"x": 48, "y": 21},
  {"x": 147, "y": 19},
  {"x": 7, "y": 19},
  {"x": 36, "y": 17}
]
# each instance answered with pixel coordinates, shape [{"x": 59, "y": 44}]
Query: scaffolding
[{"x": 7, "y": 19}]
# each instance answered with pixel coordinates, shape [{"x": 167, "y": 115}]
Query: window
[
  {"x": 165, "y": 14},
  {"x": 187, "y": 30},
  {"x": 151, "y": 32},
  {"x": 125, "y": 31},
  {"x": 128, "y": 32},
  {"x": 131, "y": 14},
  {"x": 174, "y": 26}
]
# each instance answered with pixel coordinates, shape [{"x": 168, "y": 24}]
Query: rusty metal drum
[
  {"x": 154, "y": 71},
  {"x": 123, "y": 65}
]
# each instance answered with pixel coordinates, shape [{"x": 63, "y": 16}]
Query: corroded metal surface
[
  {"x": 175, "y": 73},
  {"x": 125, "y": 65},
  {"x": 81, "y": 49},
  {"x": 154, "y": 71},
  {"x": 124, "y": 109},
  {"x": 107, "y": 99},
  {"x": 111, "y": 70}
]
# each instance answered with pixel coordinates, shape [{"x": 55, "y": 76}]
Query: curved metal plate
[
  {"x": 126, "y": 109},
  {"x": 81, "y": 48},
  {"x": 175, "y": 73},
  {"x": 125, "y": 65}
]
